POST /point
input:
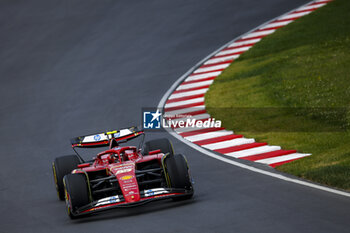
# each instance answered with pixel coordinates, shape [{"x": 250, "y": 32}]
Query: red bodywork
[
  {"x": 121, "y": 168},
  {"x": 121, "y": 162}
]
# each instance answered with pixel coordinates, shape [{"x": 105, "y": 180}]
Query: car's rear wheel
[
  {"x": 162, "y": 144},
  {"x": 178, "y": 174},
  {"x": 76, "y": 192},
  {"x": 62, "y": 166}
]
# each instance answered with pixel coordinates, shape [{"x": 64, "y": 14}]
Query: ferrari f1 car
[{"x": 121, "y": 176}]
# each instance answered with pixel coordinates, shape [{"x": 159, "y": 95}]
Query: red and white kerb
[{"x": 188, "y": 99}]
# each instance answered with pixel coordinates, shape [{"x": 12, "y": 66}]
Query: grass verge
[{"x": 293, "y": 89}]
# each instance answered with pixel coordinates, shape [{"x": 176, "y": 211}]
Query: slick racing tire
[
  {"x": 76, "y": 192},
  {"x": 62, "y": 166},
  {"x": 162, "y": 144},
  {"x": 178, "y": 173}
]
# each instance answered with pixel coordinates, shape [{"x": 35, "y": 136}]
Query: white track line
[
  {"x": 203, "y": 136},
  {"x": 229, "y": 143},
  {"x": 221, "y": 59},
  {"x": 245, "y": 42},
  {"x": 188, "y": 93},
  {"x": 192, "y": 85},
  {"x": 229, "y": 51},
  {"x": 295, "y": 15},
  {"x": 211, "y": 68},
  {"x": 202, "y": 76},
  {"x": 311, "y": 7},
  {"x": 271, "y": 25},
  {"x": 253, "y": 151},
  {"x": 185, "y": 110},
  {"x": 184, "y": 102},
  {"x": 198, "y": 80},
  {"x": 259, "y": 33},
  {"x": 282, "y": 158}
]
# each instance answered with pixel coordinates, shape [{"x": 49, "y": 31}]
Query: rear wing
[{"x": 102, "y": 139}]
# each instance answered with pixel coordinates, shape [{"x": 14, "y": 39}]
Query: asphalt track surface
[{"x": 74, "y": 67}]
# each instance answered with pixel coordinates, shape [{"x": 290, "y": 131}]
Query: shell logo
[{"x": 126, "y": 177}]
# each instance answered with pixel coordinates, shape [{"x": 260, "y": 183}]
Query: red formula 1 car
[{"x": 121, "y": 176}]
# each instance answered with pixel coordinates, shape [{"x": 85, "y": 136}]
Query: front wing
[{"x": 118, "y": 201}]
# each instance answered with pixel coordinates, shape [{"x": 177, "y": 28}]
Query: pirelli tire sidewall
[
  {"x": 60, "y": 167},
  {"x": 77, "y": 192},
  {"x": 178, "y": 173}
]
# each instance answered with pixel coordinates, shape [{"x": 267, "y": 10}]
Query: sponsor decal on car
[
  {"x": 124, "y": 170},
  {"x": 156, "y": 191},
  {"x": 108, "y": 200},
  {"x": 113, "y": 199},
  {"x": 128, "y": 177},
  {"x": 94, "y": 138},
  {"x": 149, "y": 193},
  {"x": 97, "y": 137}
]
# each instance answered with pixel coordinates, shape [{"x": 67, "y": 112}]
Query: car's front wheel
[
  {"x": 60, "y": 167},
  {"x": 178, "y": 174},
  {"x": 77, "y": 192}
]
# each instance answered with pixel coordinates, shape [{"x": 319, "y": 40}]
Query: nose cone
[
  {"x": 125, "y": 174},
  {"x": 130, "y": 189}
]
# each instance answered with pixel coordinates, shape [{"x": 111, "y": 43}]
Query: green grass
[{"x": 293, "y": 89}]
